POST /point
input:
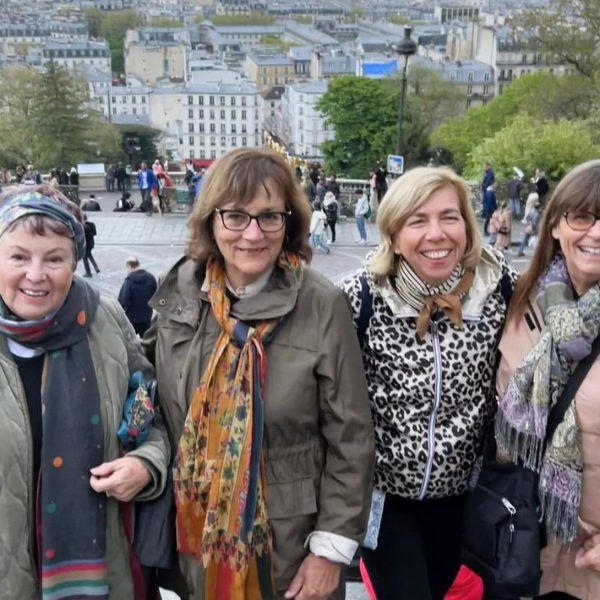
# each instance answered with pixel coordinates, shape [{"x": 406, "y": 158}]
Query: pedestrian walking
[
  {"x": 318, "y": 222},
  {"x": 90, "y": 233},
  {"x": 504, "y": 227},
  {"x": 530, "y": 233},
  {"x": 429, "y": 309},
  {"x": 362, "y": 212},
  {"x": 137, "y": 289},
  {"x": 514, "y": 189},
  {"x": 146, "y": 182},
  {"x": 332, "y": 210},
  {"x": 489, "y": 206}
]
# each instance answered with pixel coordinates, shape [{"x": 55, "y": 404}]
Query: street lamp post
[{"x": 406, "y": 48}]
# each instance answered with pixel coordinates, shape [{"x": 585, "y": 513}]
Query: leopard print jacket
[{"x": 431, "y": 399}]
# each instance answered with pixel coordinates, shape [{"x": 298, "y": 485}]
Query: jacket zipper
[
  {"x": 437, "y": 366},
  {"x": 30, "y": 486}
]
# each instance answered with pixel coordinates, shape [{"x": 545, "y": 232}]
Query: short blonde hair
[
  {"x": 404, "y": 197},
  {"x": 237, "y": 177}
]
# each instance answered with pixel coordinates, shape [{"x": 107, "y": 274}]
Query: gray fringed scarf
[{"x": 570, "y": 330}]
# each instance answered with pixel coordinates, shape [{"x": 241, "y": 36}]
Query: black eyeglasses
[
  {"x": 581, "y": 221},
  {"x": 238, "y": 220}
]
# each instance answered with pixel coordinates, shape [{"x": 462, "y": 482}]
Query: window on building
[
  {"x": 190, "y": 128},
  {"x": 114, "y": 110},
  {"x": 213, "y": 154},
  {"x": 233, "y": 114},
  {"x": 486, "y": 76},
  {"x": 201, "y": 113},
  {"x": 211, "y": 100},
  {"x": 212, "y": 115},
  {"x": 190, "y": 113},
  {"x": 244, "y": 141},
  {"x": 232, "y": 101},
  {"x": 223, "y": 140},
  {"x": 524, "y": 59},
  {"x": 113, "y": 100},
  {"x": 190, "y": 99},
  {"x": 243, "y": 114},
  {"x": 201, "y": 100},
  {"x": 213, "y": 141},
  {"x": 222, "y": 114},
  {"x": 202, "y": 154},
  {"x": 243, "y": 100},
  {"x": 134, "y": 111},
  {"x": 133, "y": 100},
  {"x": 143, "y": 99},
  {"x": 191, "y": 140},
  {"x": 223, "y": 130},
  {"x": 201, "y": 127},
  {"x": 212, "y": 128},
  {"x": 234, "y": 141},
  {"x": 244, "y": 128},
  {"x": 222, "y": 100},
  {"x": 300, "y": 111}
]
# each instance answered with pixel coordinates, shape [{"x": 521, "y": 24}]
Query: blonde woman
[{"x": 437, "y": 306}]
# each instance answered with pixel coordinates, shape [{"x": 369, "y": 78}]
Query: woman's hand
[
  {"x": 588, "y": 556},
  {"x": 316, "y": 579},
  {"x": 122, "y": 478}
]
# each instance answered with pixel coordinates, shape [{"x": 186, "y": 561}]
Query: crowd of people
[{"x": 273, "y": 423}]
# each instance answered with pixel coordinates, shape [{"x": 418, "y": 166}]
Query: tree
[
  {"x": 570, "y": 31},
  {"x": 362, "y": 111},
  {"x": 113, "y": 27},
  {"x": 45, "y": 119},
  {"x": 556, "y": 145},
  {"x": 542, "y": 95}
]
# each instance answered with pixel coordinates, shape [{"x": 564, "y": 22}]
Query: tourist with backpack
[{"x": 332, "y": 209}]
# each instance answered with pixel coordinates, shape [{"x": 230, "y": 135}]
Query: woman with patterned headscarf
[
  {"x": 263, "y": 391},
  {"x": 66, "y": 354}
]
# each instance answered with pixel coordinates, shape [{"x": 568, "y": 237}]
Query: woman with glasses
[
  {"x": 262, "y": 387},
  {"x": 553, "y": 320}
]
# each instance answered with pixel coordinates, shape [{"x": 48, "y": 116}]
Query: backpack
[{"x": 332, "y": 211}]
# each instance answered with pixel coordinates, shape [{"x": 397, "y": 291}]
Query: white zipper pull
[{"x": 509, "y": 507}]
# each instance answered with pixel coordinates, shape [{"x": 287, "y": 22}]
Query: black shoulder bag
[{"x": 502, "y": 534}]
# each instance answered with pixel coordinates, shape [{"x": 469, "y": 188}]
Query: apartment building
[
  {"x": 302, "y": 127},
  {"x": 76, "y": 54},
  {"x": 218, "y": 118},
  {"x": 267, "y": 69}
]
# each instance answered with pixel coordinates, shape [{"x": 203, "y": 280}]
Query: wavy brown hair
[
  {"x": 579, "y": 190},
  {"x": 237, "y": 177}
]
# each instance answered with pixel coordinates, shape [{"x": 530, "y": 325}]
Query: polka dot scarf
[{"x": 70, "y": 516}]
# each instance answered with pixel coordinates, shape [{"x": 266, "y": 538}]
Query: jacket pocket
[{"x": 291, "y": 499}]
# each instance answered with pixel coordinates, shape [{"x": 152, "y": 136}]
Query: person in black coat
[
  {"x": 137, "y": 289},
  {"x": 90, "y": 232}
]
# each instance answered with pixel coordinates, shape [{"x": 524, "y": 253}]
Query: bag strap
[
  {"x": 366, "y": 310},
  {"x": 562, "y": 404}
]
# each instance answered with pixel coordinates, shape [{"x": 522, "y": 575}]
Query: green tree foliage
[
  {"x": 113, "y": 26},
  {"x": 569, "y": 31},
  {"x": 364, "y": 113},
  {"x": 164, "y": 22},
  {"x": 273, "y": 40},
  {"x": 46, "y": 120},
  {"x": 542, "y": 95},
  {"x": 254, "y": 18},
  {"x": 142, "y": 148},
  {"x": 527, "y": 143}
]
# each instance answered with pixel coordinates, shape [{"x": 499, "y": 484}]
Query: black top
[{"x": 30, "y": 371}]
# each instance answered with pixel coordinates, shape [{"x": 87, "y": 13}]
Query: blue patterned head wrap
[{"x": 27, "y": 203}]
